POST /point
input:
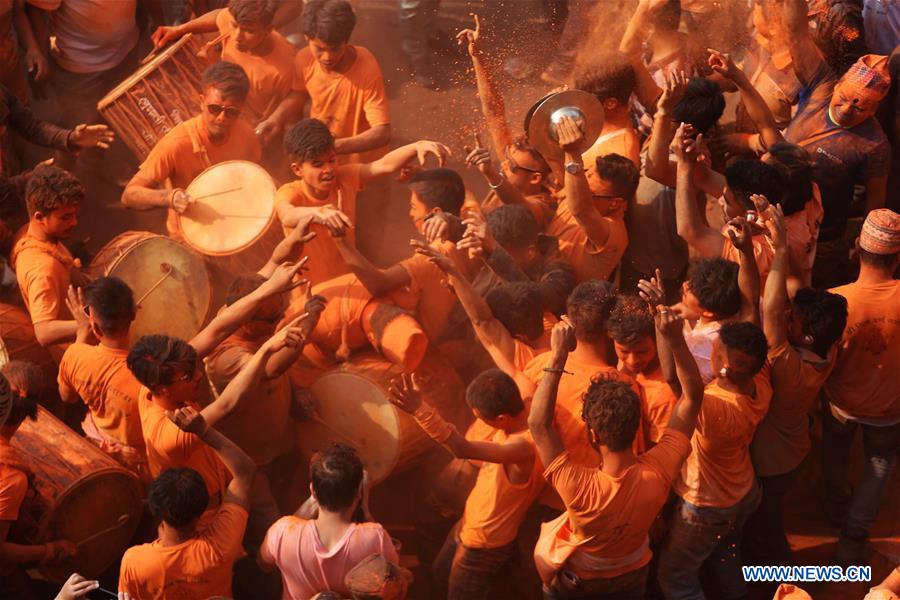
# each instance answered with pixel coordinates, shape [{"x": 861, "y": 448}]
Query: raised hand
[
  {"x": 405, "y": 393},
  {"x": 570, "y": 135},
  {"x": 289, "y": 336},
  {"x": 90, "y": 136},
  {"x": 442, "y": 262},
  {"x": 284, "y": 278},
  {"x": 75, "y": 304},
  {"x": 480, "y": 158},
  {"x": 722, "y": 64},
  {"x": 313, "y": 308},
  {"x": 668, "y": 322},
  {"x": 188, "y": 419},
  {"x": 673, "y": 92},
  {"x": 740, "y": 231},
  {"x": 333, "y": 219},
  {"x": 470, "y": 37},
  {"x": 436, "y": 227},
  {"x": 775, "y": 227},
  {"x": 652, "y": 292},
  {"x": 562, "y": 338},
  {"x": 436, "y": 149}
]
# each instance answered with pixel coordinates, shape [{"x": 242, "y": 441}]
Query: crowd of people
[{"x": 660, "y": 329}]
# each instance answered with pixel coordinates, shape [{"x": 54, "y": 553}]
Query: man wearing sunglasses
[{"x": 216, "y": 135}]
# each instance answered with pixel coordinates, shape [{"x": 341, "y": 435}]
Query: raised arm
[
  {"x": 370, "y": 139},
  {"x": 578, "y": 193},
  {"x": 407, "y": 396},
  {"x": 756, "y": 107},
  {"x": 687, "y": 407},
  {"x": 281, "y": 361},
  {"x": 632, "y": 46},
  {"x": 804, "y": 53},
  {"x": 543, "y": 405},
  {"x": 657, "y": 164},
  {"x": 394, "y": 160},
  {"x": 740, "y": 232},
  {"x": 492, "y": 105},
  {"x": 654, "y": 295},
  {"x": 241, "y": 466},
  {"x": 493, "y": 336},
  {"x": 235, "y": 315},
  {"x": 775, "y": 300},
  {"x": 691, "y": 226}
]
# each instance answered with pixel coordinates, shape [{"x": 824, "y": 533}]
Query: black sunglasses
[
  {"x": 514, "y": 166},
  {"x": 232, "y": 112}
]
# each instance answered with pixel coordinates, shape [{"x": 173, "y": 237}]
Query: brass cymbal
[{"x": 542, "y": 117}]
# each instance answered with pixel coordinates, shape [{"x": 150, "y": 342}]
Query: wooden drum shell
[
  {"x": 156, "y": 97},
  {"x": 78, "y": 492}
]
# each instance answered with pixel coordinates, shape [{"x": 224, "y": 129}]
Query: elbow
[
  {"x": 43, "y": 336},
  {"x": 384, "y": 135}
]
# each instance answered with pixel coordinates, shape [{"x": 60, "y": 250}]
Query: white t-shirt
[{"x": 92, "y": 35}]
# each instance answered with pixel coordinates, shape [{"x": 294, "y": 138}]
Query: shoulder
[
  {"x": 304, "y": 60},
  {"x": 534, "y": 370},
  {"x": 225, "y": 21},
  {"x": 291, "y": 192},
  {"x": 77, "y": 352}
]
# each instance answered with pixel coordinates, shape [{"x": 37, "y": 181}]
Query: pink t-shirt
[
  {"x": 92, "y": 35},
  {"x": 307, "y": 567}
]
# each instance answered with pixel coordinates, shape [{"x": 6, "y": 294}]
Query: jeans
[
  {"x": 765, "y": 539},
  {"x": 417, "y": 20},
  {"x": 880, "y": 447},
  {"x": 628, "y": 586},
  {"x": 705, "y": 534},
  {"x": 466, "y": 573}
]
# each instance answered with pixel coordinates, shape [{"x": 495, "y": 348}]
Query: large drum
[
  {"x": 80, "y": 495},
  {"x": 157, "y": 97},
  {"x": 352, "y": 406},
  {"x": 170, "y": 282},
  {"x": 231, "y": 220}
]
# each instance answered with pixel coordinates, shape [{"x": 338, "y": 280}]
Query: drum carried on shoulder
[
  {"x": 80, "y": 495},
  {"x": 172, "y": 291},
  {"x": 157, "y": 97}
]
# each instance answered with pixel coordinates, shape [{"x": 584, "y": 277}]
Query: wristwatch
[{"x": 574, "y": 168}]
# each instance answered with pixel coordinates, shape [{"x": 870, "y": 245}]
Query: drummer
[
  {"x": 20, "y": 384},
  {"x": 44, "y": 266},
  {"x": 215, "y": 135},
  {"x": 250, "y": 42}
]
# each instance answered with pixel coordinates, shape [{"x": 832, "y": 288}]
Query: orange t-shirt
[
  {"x": 607, "y": 516},
  {"x": 196, "y": 569},
  {"x": 349, "y": 103},
  {"x": 525, "y": 353},
  {"x": 101, "y": 378},
  {"x": 271, "y": 76},
  {"x": 434, "y": 300},
  {"x": 542, "y": 207},
  {"x": 782, "y": 437},
  {"x": 660, "y": 400},
  {"x": 168, "y": 446},
  {"x": 719, "y": 472},
  {"x": 261, "y": 426},
  {"x": 13, "y": 485},
  {"x": 762, "y": 250},
  {"x": 496, "y": 507},
  {"x": 325, "y": 261},
  {"x": 186, "y": 151},
  {"x": 43, "y": 270},
  {"x": 624, "y": 142},
  {"x": 569, "y": 401},
  {"x": 589, "y": 261},
  {"x": 864, "y": 383}
]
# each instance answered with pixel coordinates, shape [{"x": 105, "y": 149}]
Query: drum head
[
  {"x": 355, "y": 410},
  {"x": 171, "y": 287},
  {"x": 234, "y": 205}
]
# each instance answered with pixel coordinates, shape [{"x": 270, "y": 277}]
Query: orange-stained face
[
  {"x": 219, "y": 113},
  {"x": 326, "y": 55},
  {"x": 418, "y": 212},
  {"x": 250, "y": 35},
  {"x": 185, "y": 388},
  {"x": 847, "y": 109},
  {"x": 639, "y": 357},
  {"x": 60, "y": 223},
  {"x": 319, "y": 173},
  {"x": 520, "y": 168}
]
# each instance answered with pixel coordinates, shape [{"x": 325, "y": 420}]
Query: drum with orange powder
[
  {"x": 231, "y": 219},
  {"x": 352, "y": 405},
  {"x": 80, "y": 495},
  {"x": 157, "y": 97},
  {"x": 171, "y": 285}
]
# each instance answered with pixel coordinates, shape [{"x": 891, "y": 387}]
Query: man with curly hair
[
  {"x": 44, "y": 266},
  {"x": 599, "y": 547}
]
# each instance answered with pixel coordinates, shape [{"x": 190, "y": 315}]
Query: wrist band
[
  {"x": 502, "y": 180},
  {"x": 435, "y": 426},
  {"x": 560, "y": 371}
]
